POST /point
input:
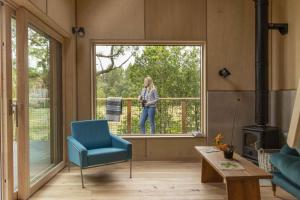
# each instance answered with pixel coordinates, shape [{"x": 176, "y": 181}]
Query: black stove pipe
[{"x": 261, "y": 62}]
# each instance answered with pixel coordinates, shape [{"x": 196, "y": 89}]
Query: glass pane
[
  {"x": 176, "y": 74},
  {"x": 14, "y": 97},
  {"x": 39, "y": 102},
  {"x": 45, "y": 102}
]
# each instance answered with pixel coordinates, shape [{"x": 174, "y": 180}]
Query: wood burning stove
[
  {"x": 260, "y": 134},
  {"x": 256, "y": 137}
]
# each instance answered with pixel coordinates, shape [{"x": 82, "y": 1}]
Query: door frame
[
  {"x": 6, "y": 103},
  {"x": 25, "y": 19}
]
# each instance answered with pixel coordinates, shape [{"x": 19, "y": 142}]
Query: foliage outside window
[{"x": 176, "y": 71}]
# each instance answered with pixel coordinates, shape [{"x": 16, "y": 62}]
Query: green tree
[
  {"x": 39, "y": 57},
  {"x": 175, "y": 70}
]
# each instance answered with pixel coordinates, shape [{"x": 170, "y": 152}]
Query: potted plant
[{"x": 228, "y": 149}]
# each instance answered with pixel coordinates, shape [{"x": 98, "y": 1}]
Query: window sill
[{"x": 139, "y": 136}]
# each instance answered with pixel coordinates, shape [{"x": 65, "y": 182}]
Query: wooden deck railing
[{"x": 174, "y": 115}]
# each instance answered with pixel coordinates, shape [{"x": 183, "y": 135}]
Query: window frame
[{"x": 203, "y": 92}]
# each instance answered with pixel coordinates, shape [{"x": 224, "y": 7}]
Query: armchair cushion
[
  {"x": 106, "y": 155},
  {"x": 121, "y": 143},
  {"x": 77, "y": 152},
  {"x": 92, "y": 134},
  {"x": 289, "y": 151},
  {"x": 288, "y": 165}
]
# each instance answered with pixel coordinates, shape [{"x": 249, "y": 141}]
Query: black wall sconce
[
  {"x": 282, "y": 28},
  {"x": 79, "y": 31},
  {"x": 224, "y": 72}
]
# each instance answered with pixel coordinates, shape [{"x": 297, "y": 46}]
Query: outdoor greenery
[
  {"x": 39, "y": 77},
  {"x": 174, "y": 69},
  {"x": 176, "y": 73}
]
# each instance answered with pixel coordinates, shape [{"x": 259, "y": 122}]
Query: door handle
[
  {"x": 15, "y": 110},
  {"x": 17, "y": 114}
]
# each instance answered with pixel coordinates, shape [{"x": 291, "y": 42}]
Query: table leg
[
  {"x": 246, "y": 189},
  {"x": 209, "y": 174}
]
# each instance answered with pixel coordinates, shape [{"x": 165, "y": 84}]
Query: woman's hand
[{"x": 140, "y": 99}]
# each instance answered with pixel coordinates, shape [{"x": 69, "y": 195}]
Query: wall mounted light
[
  {"x": 282, "y": 28},
  {"x": 79, "y": 31},
  {"x": 224, "y": 72}
]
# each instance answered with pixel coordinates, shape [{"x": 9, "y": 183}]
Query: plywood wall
[
  {"x": 165, "y": 148},
  {"x": 175, "y": 20},
  {"x": 40, "y": 4},
  {"x": 230, "y": 44},
  {"x": 56, "y": 12},
  {"x": 62, "y": 12},
  {"x": 286, "y": 49}
]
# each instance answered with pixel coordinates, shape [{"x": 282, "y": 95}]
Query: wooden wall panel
[
  {"x": 112, "y": 19},
  {"x": 286, "y": 49},
  {"x": 175, "y": 20},
  {"x": 58, "y": 14},
  {"x": 62, "y": 12},
  {"x": 165, "y": 148},
  {"x": 40, "y": 4},
  {"x": 231, "y": 44},
  {"x": 70, "y": 91},
  {"x": 103, "y": 19},
  {"x": 139, "y": 148},
  {"x": 173, "y": 148}
]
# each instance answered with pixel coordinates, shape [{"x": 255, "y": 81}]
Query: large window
[{"x": 177, "y": 74}]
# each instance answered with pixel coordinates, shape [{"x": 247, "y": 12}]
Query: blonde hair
[{"x": 151, "y": 85}]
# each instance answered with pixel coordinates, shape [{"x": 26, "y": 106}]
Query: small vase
[{"x": 228, "y": 152}]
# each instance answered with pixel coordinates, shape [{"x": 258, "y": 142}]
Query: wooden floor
[{"x": 151, "y": 180}]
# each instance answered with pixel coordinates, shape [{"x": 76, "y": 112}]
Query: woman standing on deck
[{"x": 148, "y": 98}]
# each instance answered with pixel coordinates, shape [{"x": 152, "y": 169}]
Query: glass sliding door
[
  {"x": 39, "y": 103},
  {"x": 44, "y": 99}
]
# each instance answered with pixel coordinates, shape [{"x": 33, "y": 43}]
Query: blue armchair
[
  {"x": 287, "y": 173},
  {"x": 91, "y": 145}
]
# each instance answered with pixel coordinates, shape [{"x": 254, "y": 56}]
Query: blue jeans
[{"x": 148, "y": 112}]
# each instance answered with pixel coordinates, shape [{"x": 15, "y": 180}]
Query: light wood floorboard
[{"x": 151, "y": 180}]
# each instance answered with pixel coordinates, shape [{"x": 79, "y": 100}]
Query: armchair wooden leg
[
  {"x": 274, "y": 189},
  {"x": 82, "y": 184},
  {"x": 130, "y": 168}
]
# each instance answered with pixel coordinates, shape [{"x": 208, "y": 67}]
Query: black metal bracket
[
  {"x": 283, "y": 28},
  {"x": 224, "y": 72},
  {"x": 78, "y": 31}
]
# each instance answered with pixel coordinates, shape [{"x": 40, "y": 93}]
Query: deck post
[
  {"x": 183, "y": 116},
  {"x": 129, "y": 104}
]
